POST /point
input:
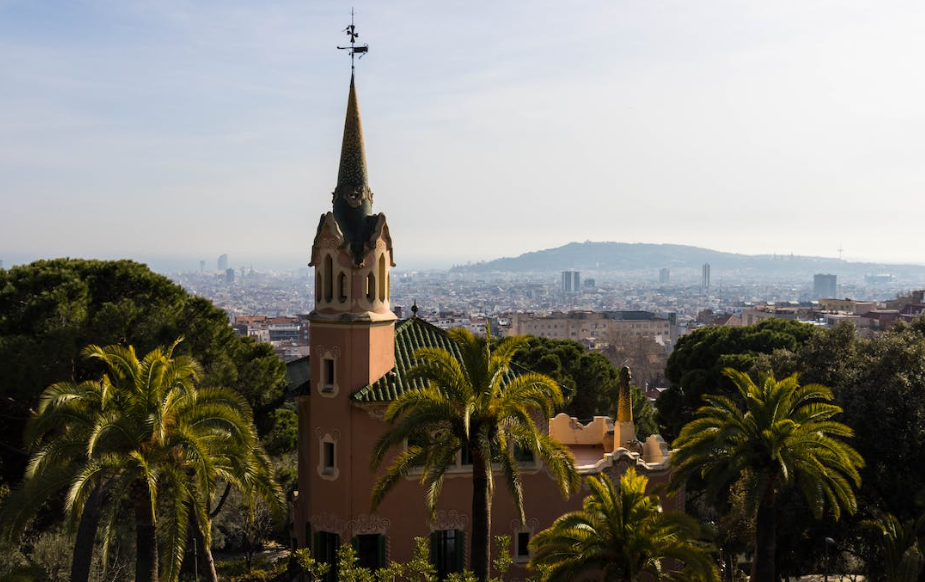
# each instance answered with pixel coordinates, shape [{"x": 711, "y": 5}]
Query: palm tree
[
  {"x": 622, "y": 534},
  {"x": 144, "y": 434},
  {"x": 902, "y": 557},
  {"x": 472, "y": 403},
  {"x": 784, "y": 438}
]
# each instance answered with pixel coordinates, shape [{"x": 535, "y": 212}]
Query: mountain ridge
[{"x": 619, "y": 256}]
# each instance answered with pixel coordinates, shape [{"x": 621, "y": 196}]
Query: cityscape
[{"x": 616, "y": 292}]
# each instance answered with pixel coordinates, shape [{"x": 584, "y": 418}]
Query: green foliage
[
  {"x": 784, "y": 439},
  {"x": 696, "y": 365},
  {"x": 472, "y": 403},
  {"x": 901, "y": 555},
  {"x": 313, "y": 568},
  {"x": 418, "y": 569},
  {"x": 259, "y": 571},
  {"x": 588, "y": 379},
  {"x": 284, "y": 434},
  {"x": 622, "y": 533},
  {"x": 50, "y": 309},
  {"x": 144, "y": 434}
]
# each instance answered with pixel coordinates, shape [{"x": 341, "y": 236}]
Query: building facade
[{"x": 360, "y": 357}]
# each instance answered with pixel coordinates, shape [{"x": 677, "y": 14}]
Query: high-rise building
[
  {"x": 571, "y": 281},
  {"x": 202, "y": 266},
  {"x": 223, "y": 263},
  {"x": 664, "y": 276},
  {"x": 825, "y": 286},
  {"x": 229, "y": 275},
  {"x": 705, "y": 279}
]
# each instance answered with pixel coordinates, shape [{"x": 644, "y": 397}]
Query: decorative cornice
[{"x": 451, "y": 519}]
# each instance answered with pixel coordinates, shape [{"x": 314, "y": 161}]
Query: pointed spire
[
  {"x": 353, "y": 200},
  {"x": 625, "y": 398},
  {"x": 352, "y": 173}
]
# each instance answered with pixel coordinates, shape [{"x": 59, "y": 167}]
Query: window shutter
[
  {"x": 355, "y": 542},
  {"x": 460, "y": 549},
  {"x": 381, "y": 557},
  {"x": 434, "y": 547},
  {"x": 316, "y": 551}
]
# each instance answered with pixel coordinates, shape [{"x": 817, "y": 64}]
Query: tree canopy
[
  {"x": 51, "y": 309},
  {"x": 589, "y": 380},
  {"x": 696, "y": 365}
]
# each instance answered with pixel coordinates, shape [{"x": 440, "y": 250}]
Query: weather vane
[{"x": 352, "y": 33}]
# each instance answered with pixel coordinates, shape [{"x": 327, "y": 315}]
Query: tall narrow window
[
  {"x": 371, "y": 287},
  {"x": 327, "y": 378},
  {"x": 370, "y": 550},
  {"x": 446, "y": 551},
  {"x": 522, "y": 549},
  {"x": 328, "y": 278},
  {"x": 342, "y": 287},
  {"x": 382, "y": 278},
  {"x": 317, "y": 285},
  {"x": 326, "y": 545},
  {"x": 328, "y": 457}
]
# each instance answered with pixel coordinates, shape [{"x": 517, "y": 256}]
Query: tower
[
  {"x": 352, "y": 338},
  {"x": 705, "y": 278}
]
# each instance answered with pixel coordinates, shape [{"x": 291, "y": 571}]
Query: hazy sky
[{"x": 148, "y": 128}]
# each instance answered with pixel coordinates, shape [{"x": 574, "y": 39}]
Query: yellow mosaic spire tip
[
  {"x": 352, "y": 171},
  {"x": 624, "y": 397}
]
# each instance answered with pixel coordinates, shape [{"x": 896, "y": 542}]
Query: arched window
[
  {"x": 371, "y": 287},
  {"x": 317, "y": 285},
  {"x": 342, "y": 286},
  {"x": 328, "y": 278},
  {"x": 382, "y": 280}
]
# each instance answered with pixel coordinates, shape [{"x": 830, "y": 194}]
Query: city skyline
[{"x": 150, "y": 129}]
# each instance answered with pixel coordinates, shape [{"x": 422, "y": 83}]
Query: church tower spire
[{"x": 352, "y": 198}]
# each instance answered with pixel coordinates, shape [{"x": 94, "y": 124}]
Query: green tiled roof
[
  {"x": 410, "y": 335},
  {"x": 298, "y": 373}
]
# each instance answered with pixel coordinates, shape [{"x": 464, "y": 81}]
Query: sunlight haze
[{"x": 188, "y": 129}]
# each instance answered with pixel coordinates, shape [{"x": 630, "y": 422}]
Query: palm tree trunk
[
  {"x": 86, "y": 534},
  {"x": 481, "y": 518},
  {"x": 210, "y": 572},
  {"x": 763, "y": 562},
  {"x": 145, "y": 537}
]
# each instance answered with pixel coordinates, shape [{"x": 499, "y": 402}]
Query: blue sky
[{"x": 184, "y": 129}]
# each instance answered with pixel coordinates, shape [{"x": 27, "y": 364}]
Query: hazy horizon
[
  {"x": 188, "y": 263},
  {"x": 148, "y": 128}
]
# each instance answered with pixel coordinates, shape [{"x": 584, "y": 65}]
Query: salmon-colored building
[{"x": 360, "y": 357}]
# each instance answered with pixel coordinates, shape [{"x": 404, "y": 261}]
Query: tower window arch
[
  {"x": 371, "y": 287},
  {"x": 382, "y": 280},
  {"x": 317, "y": 285},
  {"x": 342, "y": 286},
  {"x": 328, "y": 278}
]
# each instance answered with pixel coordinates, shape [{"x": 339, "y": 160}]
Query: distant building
[
  {"x": 824, "y": 286},
  {"x": 705, "y": 279},
  {"x": 582, "y": 325},
  {"x": 847, "y": 306},
  {"x": 878, "y": 278},
  {"x": 229, "y": 275},
  {"x": 664, "y": 276},
  {"x": 223, "y": 263},
  {"x": 202, "y": 266},
  {"x": 571, "y": 281},
  {"x": 589, "y": 283}
]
